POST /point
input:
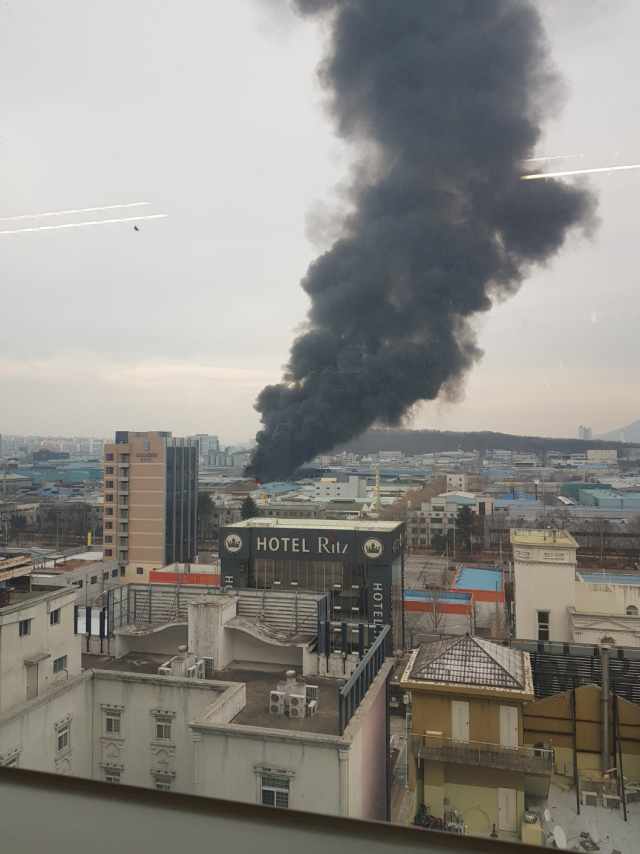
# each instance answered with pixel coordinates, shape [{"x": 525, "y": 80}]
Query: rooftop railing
[{"x": 531, "y": 759}]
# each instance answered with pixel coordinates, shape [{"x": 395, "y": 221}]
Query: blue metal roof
[
  {"x": 428, "y": 596},
  {"x": 609, "y": 578},
  {"x": 478, "y": 578}
]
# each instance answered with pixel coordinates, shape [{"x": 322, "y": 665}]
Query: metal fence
[
  {"x": 353, "y": 692},
  {"x": 559, "y": 667},
  {"x": 530, "y": 759}
]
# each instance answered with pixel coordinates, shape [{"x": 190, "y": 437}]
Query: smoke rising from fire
[{"x": 445, "y": 99}]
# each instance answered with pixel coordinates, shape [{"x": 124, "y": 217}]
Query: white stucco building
[
  {"x": 544, "y": 563},
  {"x": 123, "y": 721},
  {"x": 38, "y": 646}
]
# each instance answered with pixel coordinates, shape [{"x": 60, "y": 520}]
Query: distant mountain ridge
[
  {"x": 631, "y": 433},
  {"x": 412, "y": 442}
]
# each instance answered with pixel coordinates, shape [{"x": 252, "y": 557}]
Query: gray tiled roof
[{"x": 470, "y": 661}]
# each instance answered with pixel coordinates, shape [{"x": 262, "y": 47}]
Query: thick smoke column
[{"x": 446, "y": 100}]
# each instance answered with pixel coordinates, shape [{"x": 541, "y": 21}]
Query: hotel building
[{"x": 150, "y": 502}]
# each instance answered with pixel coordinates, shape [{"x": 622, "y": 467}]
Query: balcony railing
[{"x": 437, "y": 747}]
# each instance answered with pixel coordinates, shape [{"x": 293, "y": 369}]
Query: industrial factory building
[{"x": 359, "y": 563}]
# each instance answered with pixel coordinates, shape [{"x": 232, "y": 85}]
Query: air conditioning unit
[
  {"x": 196, "y": 671},
  {"x": 297, "y": 711},
  {"x": 165, "y": 671},
  {"x": 589, "y": 799},
  {"x": 297, "y": 701},
  {"x": 312, "y": 693},
  {"x": 276, "y": 702},
  {"x": 631, "y": 795},
  {"x": 209, "y": 669},
  {"x": 611, "y": 802},
  {"x": 312, "y": 708}
]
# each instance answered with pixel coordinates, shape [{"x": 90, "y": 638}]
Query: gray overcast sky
[{"x": 211, "y": 111}]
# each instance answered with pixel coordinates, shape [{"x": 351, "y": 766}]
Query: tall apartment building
[{"x": 150, "y": 502}]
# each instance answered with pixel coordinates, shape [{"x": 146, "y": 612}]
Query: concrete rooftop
[{"x": 260, "y": 679}]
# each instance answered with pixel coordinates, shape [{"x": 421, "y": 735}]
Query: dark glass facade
[{"x": 181, "y": 500}]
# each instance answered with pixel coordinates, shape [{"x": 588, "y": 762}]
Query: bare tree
[
  {"x": 499, "y": 622},
  {"x": 633, "y": 537},
  {"x": 413, "y": 625},
  {"x": 600, "y": 534}
]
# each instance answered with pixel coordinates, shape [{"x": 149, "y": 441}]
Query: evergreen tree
[
  {"x": 248, "y": 508},
  {"x": 464, "y": 526}
]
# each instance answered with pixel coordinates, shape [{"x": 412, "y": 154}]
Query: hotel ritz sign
[{"x": 335, "y": 545}]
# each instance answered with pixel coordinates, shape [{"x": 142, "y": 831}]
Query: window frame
[
  {"x": 162, "y": 782},
  {"x": 277, "y": 781},
  {"x": 541, "y": 624},
  {"x": 60, "y": 664},
  {"x": 162, "y": 720},
  {"x": 24, "y": 627},
  {"x": 63, "y": 731},
  {"x": 54, "y": 617},
  {"x": 113, "y": 773},
  {"x": 109, "y": 458},
  {"x": 113, "y": 718},
  {"x": 276, "y": 786}
]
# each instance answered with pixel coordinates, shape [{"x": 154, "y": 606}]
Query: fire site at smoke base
[{"x": 446, "y": 99}]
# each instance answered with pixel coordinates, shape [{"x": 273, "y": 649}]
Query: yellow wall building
[{"x": 467, "y": 750}]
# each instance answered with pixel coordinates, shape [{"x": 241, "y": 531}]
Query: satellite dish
[
  {"x": 560, "y": 838},
  {"x": 547, "y": 816},
  {"x": 593, "y": 832}
]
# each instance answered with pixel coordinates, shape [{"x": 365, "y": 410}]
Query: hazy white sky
[{"x": 211, "y": 111}]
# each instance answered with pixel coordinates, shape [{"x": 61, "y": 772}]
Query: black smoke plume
[{"x": 445, "y": 99}]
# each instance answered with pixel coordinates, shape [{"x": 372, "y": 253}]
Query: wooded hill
[{"x": 412, "y": 442}]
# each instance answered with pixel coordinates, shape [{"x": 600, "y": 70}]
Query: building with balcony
[
  {"x": 150, "y": 502},
  {"x": 469, "y": 763}
]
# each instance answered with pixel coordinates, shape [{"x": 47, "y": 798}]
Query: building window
[
  {"x": 163, "y": 728},
  {"x": 108, "y": 538},
  {"x": 108, "y": 511},
  {"x": 632, "y": 611},
  {"x": 108, "y": 484},
  {"x": 108, "y": 470},
  {"x": 60, "y": 664},
  {"x": 94, "y": 579},
  {"x": 78, "y": 584},
  {"x": 162, "y": 783},
  {"x": 112, "y": 722},
  {"x": 54, "y": 617},
  {"x": 62, "y": 737},
  {"x": 124, "y": 458},
  {"x": 139, "y": 570},
  {"x": 108, "y": 526},
  {"x": 114, "y": 573},
  {"x": 543, "y": 625},
  {"x": 108, "y": 497},
  {"x": 109, "y": 458},
  {"x": 274, "y": 791},
  {"x": 24, "y": 628},
  {"x": 107, "y": 553},
  {"x": 112, "y": 775},
  {"x": 122, "y": 571}
]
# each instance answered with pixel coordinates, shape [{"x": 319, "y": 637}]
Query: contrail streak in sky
[
  {"x": 578, "y": 172},
  {"x": 83, "y": 224},
  {"x": 77, "y": 210}
]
